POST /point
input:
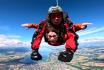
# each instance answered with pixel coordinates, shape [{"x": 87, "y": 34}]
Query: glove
[
  {"x": 35, "y": 55},
  {"x": 66, "y": 56}
]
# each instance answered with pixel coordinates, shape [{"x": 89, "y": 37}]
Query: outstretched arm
[
  {"x": 30, "y": 25},
  {"x": 81, "y": 26}
]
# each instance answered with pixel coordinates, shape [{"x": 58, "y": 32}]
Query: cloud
[
  {"x": 93, "y": 30},
  {"x": 2, "y": 36},
  {"x": 100, "y": 39},
  {"x": 12, "y": 40}
]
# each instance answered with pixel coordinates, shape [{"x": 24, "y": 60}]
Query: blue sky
[{"x": 13, "y": 13}]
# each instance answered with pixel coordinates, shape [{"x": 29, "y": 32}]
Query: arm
[
  {"x": 80, "y": 26},
  {"x": 30, "y": 25}
]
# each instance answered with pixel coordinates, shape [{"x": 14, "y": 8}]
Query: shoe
[
  {"x": 35, "y": 55},
  {"x": 65, "y": 56}
]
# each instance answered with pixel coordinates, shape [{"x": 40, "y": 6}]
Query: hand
[
  {"x": 25, "y": 25},
  {"x": 86, "y": 23}
]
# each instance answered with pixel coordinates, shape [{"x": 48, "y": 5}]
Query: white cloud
[
  {"x": 100, "y": 39},
  {"x": 2, "y": 36},
  {"x": 14, "y": 36},
  {"x": 12, "y": 40},
  {"x": 93, "y": 30}
]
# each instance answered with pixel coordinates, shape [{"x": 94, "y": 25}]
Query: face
[
  {"x": 52, "y": 37},
  {"x": 56, "y": 18}
]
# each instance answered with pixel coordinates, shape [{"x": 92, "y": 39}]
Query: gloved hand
[
  {"x": 66, "y": 56},
  {"x": 35, "y": 55}
]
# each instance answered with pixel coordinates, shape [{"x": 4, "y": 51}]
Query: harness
[{"x": 66, "y": 27}]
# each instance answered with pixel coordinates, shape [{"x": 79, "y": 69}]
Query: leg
[
  {"x": 36, "y": 42},
  {"x": 71, "y": 46},
  {"x": 33, "y": 37},
  {"x": 35, "y": 46},
  {"x": 71, "y": 42}
]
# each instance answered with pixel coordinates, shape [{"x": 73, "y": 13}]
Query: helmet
[{"x": 55, "y": 9}]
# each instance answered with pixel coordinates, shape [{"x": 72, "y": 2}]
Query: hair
[
  {"x": 52, "y": 28},
  {"x": 62, "y": 29}
]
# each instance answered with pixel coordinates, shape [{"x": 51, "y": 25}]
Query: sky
[{"x": 13, "y": 13}]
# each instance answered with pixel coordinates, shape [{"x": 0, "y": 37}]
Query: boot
[
  {"x": 35, "y": 55},
  {"x": 66, "y": 56}
]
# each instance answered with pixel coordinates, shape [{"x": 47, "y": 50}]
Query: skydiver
[{"x": 57, "y": 25}]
